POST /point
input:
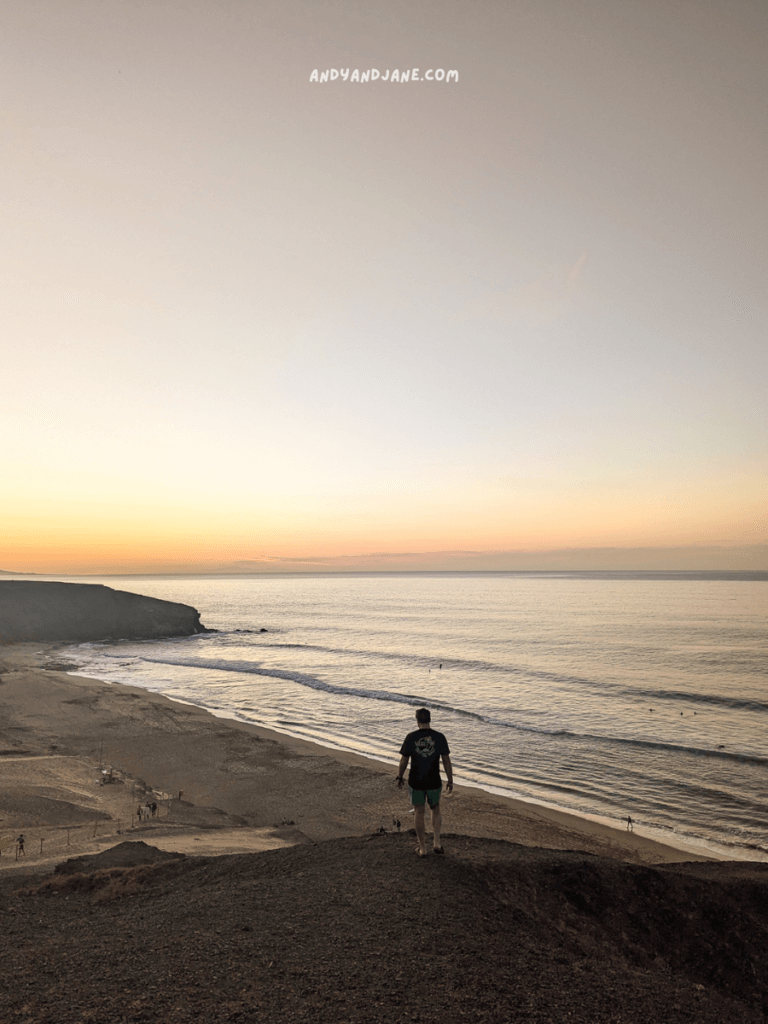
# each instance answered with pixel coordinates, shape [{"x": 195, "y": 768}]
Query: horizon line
[{"x": 678, "y": 558}]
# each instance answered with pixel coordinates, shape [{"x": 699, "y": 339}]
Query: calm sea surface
[{"x": 606, "y": 694}]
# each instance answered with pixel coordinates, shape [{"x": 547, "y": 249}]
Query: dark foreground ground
[{"x": 361, "y": 930}]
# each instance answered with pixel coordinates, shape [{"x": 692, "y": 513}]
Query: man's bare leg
[
  {"x": 437, "y": 821},
  {"x": 421, "y": 834}
]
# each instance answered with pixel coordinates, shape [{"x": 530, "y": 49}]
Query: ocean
[{"x": 604, "y": 694}]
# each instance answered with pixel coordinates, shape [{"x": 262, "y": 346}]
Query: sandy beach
[{"x": 220, "y": 786}]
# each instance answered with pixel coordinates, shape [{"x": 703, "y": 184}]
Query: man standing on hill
[{"x": 424, "y": 748}]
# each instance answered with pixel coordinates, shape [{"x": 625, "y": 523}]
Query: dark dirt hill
[{"x": 361, "y": 930}]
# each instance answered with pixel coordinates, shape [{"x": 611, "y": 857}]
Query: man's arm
[
  {"x": 401, "y": 770},
  {"x": 448, "y": 772}
]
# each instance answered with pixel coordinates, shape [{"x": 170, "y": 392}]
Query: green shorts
[{"x": 420, "y": 796}]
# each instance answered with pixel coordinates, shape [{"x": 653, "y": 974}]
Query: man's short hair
[{"x": 423, "y": 715}]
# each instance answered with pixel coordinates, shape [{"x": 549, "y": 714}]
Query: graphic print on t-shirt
[{"x": 425, "y": 746}]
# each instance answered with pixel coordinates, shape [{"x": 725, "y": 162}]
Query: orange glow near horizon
[{"x": 172, "y": 540}]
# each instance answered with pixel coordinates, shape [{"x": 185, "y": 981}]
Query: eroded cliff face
[{"x": 32, "y": 610}]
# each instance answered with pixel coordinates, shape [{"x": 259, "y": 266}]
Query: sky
[{"x": 254, "y": 321}]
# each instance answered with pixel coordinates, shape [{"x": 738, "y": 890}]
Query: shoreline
[
  {"x": 568, "y": 819},
  {"x": 256, "y": 777},
  {"x": 571, "y": 819}
]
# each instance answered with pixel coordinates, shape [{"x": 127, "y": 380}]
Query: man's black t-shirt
[{"x": 425, "y": 748}]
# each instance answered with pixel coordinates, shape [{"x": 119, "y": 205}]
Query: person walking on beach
[
  {"x": 424, "y": 748},
  {"x": 20, "y": 846}
]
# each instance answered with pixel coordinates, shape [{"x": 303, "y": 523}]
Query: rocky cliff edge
[{"x": 32, "y": 610}]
